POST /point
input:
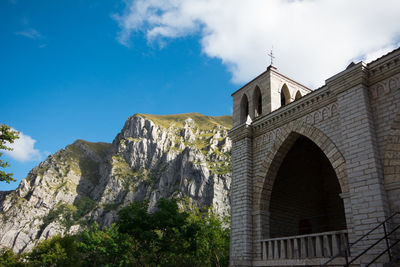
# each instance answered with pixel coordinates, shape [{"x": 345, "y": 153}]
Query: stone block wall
[
  {"x": 241, "y": 191},
  {"x": 354, "y": 119}
]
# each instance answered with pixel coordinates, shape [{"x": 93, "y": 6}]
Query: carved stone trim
[
  {"x": 385, "y": 87},
  {"x": 300, "y": 108},
  {"x": 312, "y": 118}
]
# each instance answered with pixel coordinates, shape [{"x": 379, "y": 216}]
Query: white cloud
[
  {"x": 23, "y": 149},
  {"x": 29, "y": 33},
  {"x": 312, "y": 39}
]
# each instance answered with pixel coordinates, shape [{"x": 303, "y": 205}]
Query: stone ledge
[
  {"x": 240, "y": 132},
  {"x": 392, "y": 186},
  {"x": 299, "y": 262},
  {"x": 240, "y": 263},
  {"x": 349, "y": 78}
]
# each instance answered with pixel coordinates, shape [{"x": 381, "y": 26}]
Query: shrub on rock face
[
  {"x": 9, "y": 258},
  {"x": 57, "y": 251}
]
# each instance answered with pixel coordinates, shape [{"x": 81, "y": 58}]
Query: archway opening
[
  {"x": 257, "y": 100},
  {"x": 305, "y": 195},
  {"x": 298, "y": 95},
  {"x": 285, "y": 95},
  {"x": 244, "y": 108}
]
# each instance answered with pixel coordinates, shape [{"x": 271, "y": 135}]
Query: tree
[
  {"x": 161, "y": 238},
  {"x": 6, "y": 136},
  {"x": 212, "y": 238},
  {"x": 170, "y": 236},
  {"x": 57, "y": 251},
  {"x": 9, "y": 258},
  {"x": 105, "y": 247}
]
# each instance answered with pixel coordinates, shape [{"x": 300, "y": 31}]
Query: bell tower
[{"x": 267, "y": 92}]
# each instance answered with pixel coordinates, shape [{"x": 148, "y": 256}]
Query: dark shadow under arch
[
  {"x": 298, "y": 95},
  {"x": 305, "y": 195},
  {"x": 244, "y": 108},
  {"x": 265, "y": 176},
  {"x": 285, "y": 95},
  {"x": 257, "y": 102}
]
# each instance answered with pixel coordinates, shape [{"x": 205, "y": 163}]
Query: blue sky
[
  {"x": 74, "y": 80},
  {"x": 78, "y": 69}
]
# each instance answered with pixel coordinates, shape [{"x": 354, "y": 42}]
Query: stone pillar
[
  {"x": 260, "y": 231},
  {"x": 241, "y": 196},
  {"x": 364, "y": 169},
  {"x": 348, "y": 213}
]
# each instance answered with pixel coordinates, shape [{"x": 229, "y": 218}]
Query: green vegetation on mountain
[
  {"x": 80, "y": 163},
  {"x": 178, "y": 120},
  {"x": 69, "y": 214},
  {"x": 169, "y": 236},
  {"x": 100, "y": 148}
]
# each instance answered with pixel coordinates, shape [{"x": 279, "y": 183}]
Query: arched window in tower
[
  {"x": 244, "y": 108},
  {"x": 283, "y": 100},
  {"x": 285, "y": 95},
  {"x": 257, "y": 102},
  {"x": 298, "y": 95}
]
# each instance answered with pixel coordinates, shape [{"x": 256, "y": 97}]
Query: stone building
[{"x": 314, "y": 171}]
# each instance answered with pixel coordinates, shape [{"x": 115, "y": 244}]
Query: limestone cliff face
[{"x": 152, "y": 157}]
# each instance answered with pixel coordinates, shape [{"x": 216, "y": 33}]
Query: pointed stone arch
[
  {"x": 257, "y": 101},
  {"x": 285, "y": 95},
  {"x": 265, "y": 176},
  {"x": 298, "y": 95},
  {"x": 244, "y": 108}
]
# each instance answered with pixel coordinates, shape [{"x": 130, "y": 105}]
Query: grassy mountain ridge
[{"x": 178, "y": 120}]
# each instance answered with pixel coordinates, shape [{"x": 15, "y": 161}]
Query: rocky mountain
[{"x": 153, "y": 156}]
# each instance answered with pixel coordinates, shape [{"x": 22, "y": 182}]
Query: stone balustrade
[{"x": 319, "y": 245}]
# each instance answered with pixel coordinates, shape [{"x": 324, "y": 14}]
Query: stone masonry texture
[{"x": 354, "y": 120}]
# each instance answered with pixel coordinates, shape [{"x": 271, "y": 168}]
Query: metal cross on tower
[{"x": 271, "y": 55}]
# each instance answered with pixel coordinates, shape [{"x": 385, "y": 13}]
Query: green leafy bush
[
  {"x": 169, "y": 236},
  {"x": 57, "y": 251}
]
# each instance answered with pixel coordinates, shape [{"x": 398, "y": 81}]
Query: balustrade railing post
[
  {"x": 335, "y": 245},
  {"x": 318, "y": 247},
  {"x": 270, "y": 250},
  {"x": 289, "y": 249},
  {"x": 327, "y": 246},
  {"x": 310, "y": 247},
  {"x": 283, "y": 250},
  {"x": 303, "y": 247},
  {"x": 296, "y": 248},
  {"x": 264, "y": 250},
  {"x": 276, "y": 249}
]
